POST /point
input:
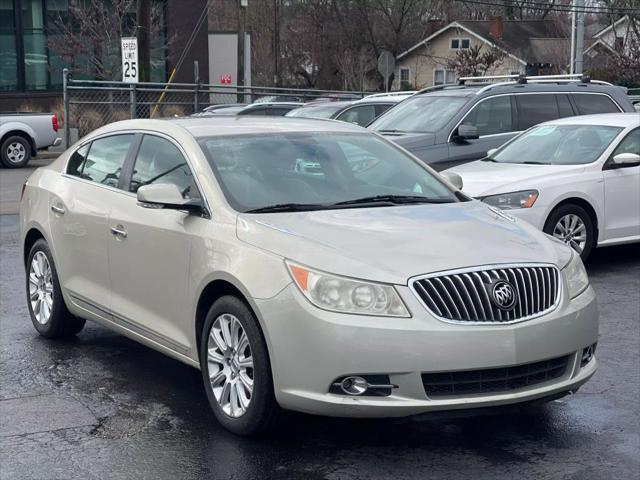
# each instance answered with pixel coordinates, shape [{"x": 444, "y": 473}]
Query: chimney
[{"x": 495, "y": 27}]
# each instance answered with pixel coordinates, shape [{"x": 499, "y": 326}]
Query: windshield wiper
[
  {"x": 528, "y": 162},
  {"x": 287, "y": 207},
  {"x": 392, "y": 200},
  {"x": 488, "y": 159}
]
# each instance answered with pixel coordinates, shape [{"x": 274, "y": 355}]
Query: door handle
[
  {"x": 57, "y": 209},
  {"x": 119, "y": 231}
]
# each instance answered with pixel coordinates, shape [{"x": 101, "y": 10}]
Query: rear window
[
  {"x": 589, "y": 103},
  {"x": 105, "y": 159}
]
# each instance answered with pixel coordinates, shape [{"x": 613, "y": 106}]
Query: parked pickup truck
[{"x": 23, "y": 134}]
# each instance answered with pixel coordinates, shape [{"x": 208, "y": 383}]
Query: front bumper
[{"x": 310, "y": 348}]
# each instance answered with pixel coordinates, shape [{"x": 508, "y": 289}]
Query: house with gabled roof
[{"x": 529, "y": 47}]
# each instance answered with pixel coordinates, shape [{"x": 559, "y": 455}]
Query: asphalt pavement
[{"x": 104, "y": 407}]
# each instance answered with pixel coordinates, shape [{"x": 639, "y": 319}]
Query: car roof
[
  {"x": 337, "y": 104},
  {"x": 238, "y": 125},
  {"x": 383, "y": 99},
  {"x": 630, "y": 119},
  {"x": 488, "y": 89},
  {"x": 273, "y": 104}
]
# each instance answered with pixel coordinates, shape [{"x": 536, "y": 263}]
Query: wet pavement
[{"x": 102, "y": 406}]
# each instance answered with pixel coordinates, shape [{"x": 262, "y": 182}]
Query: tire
[
  {"x": 58, "y": 322},
  {"x": 16, "y": 152},
  {"x": 260, "y": 414},
  {"x": 563, "y": 217}
]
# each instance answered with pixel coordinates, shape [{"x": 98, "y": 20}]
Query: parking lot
[{"x": 103, "y": 406}]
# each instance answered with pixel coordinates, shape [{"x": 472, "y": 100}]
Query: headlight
[
  {"x": 346, "y": 295},
  {"x": 509, "y": 201},
  {"x": 576, "y": 275}
]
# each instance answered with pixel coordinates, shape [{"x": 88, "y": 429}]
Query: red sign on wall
[{"x": 225, "y": 79}]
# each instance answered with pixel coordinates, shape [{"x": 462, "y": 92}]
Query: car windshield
[
  {"x": 318, "y": 171},
  {"x": 317, "y": 111},
  {"x": 419, "y": 114},
  {"x": 557, "y": 145}
]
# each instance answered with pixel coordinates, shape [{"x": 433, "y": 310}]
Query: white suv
[{"x": 306, "y": 265}]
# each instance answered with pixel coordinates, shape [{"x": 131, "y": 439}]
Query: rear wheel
[
  {"x": 574, "y": 226},
  {"x": 15, "y": 152},
  {"x": 48, "y": 311},
  {"x": 235, "y": 368}
]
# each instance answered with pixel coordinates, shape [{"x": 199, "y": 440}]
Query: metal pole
[
  {"x": 132, "y": 100},
  {"x": 65, "y": 106},
  {"x": 573, "y": 39},
  {"x": 196, "y": 94},
  {"x": 579, "y": 35}
]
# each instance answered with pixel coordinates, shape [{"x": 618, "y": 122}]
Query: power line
[{"x": 557, "y": 8}]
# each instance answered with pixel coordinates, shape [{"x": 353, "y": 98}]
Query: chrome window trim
[
  {"x": 449, "y": 138},
  {"x": 135, "y": 132},
  {"x": 481, "y": 268}
]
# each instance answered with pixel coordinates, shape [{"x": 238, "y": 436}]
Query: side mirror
[
  {"x": 166, "y": 195},
  {"x": 623, "y": 159},
  {"x": 491, "y": 151},
  {"x": 467, "y": 132},
  {"x": 453, "y": 178}
]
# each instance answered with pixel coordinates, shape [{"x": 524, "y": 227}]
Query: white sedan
[{"x": 577, "y": 179}]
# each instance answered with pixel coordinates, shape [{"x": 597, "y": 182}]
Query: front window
[
  {"x": 492, "y": 116},
  {"x": 420, "y": 114},
  {"x": 318, "y": 171},
  {"x": 362, "y": 115},
  {"x": 557, "y": 145}
]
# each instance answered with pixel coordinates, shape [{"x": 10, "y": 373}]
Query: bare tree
[
  {"x": 87, "y": 36},
  {"x": 475, "y": 60}
]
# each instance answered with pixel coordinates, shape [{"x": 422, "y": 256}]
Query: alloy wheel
[
  {"x": 41, "y": 287},
  {"x": 572, "y": 231},
  {"x": 16, "y": 152},
  {"x": 230, "y": 365}
]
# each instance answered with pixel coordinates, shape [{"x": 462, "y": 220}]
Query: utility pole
[
  {"x": 143, "y": 16},
  {"x": 243, "y": 4},
  {"x": 276, "y": 41},
  {"x": 572, "y": 55},
  {"x": 579, "y": 35}
]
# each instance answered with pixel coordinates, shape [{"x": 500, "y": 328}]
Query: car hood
[
  {"x": 486, "y": 178},
  {"x": 412, "y": 141},
  {"x": 392, "y": 244}
]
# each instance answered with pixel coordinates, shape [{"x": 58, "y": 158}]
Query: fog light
[
  {"x": 587, "y": 354},
  {"x": 354, "y": 385}
]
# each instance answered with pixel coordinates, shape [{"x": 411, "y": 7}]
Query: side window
[
  {"x": 381, "y": 108},
  {"x": 589, "y": 103},
  {"x": 277, "y": 112},
  {"x": 534, "y": 109},
  {"x": 630, "y": 144},
  {"x": 491, "y": 116},
  {"x": 76, "y": 161},
  {"x": 362, "y": 115},
  {"x": 564, "y": 106},
  {"x": 160, "y": 161},
  {"x": 105, "y": 159}
]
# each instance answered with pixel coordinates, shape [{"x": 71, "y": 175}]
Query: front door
[
  {"x": 622, "y": 192},
  {"x": 496, "y": 123},
  {"x": 149, "y": 250}
]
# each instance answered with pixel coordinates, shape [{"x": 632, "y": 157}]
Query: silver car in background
[{"x": 304, "y": 265}]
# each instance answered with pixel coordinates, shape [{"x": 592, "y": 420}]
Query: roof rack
[
  {"x": 391, "y": 94},
  {"x": 439, "y": 87},
  {"x": 523, "y": 79}
]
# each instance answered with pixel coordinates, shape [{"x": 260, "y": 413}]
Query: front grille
[
  {"x": 468, "y": 295},
  {"x": 493, "y": 380}
]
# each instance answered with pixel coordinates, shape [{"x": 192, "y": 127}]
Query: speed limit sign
[{"x": 129, "y": 59}]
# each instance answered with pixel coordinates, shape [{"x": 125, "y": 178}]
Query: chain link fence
[{"x": 90, "y": 104}]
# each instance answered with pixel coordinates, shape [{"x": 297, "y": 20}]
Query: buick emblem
[{"x": 503, "y": 295}]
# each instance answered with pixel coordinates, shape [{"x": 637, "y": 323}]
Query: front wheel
[
  {"x": 235, "y": 368},
  {"x": 48, "y": 311},
  {"x": 574, "y": 226}
]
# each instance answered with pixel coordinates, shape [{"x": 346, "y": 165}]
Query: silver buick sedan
[{"x": 304, "y": 265}]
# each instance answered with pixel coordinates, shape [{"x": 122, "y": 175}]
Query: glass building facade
[{"x": 28, "y": 31}]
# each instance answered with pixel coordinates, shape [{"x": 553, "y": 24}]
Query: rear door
[
  {"x": 496, "y": 121},
  {"x": 149, "y": 249},
  {"x": 622, "y": 192},
  {"x": 79, "y": 211}
]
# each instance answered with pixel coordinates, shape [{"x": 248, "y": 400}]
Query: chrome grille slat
[{"x": 468, "y": 295}]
